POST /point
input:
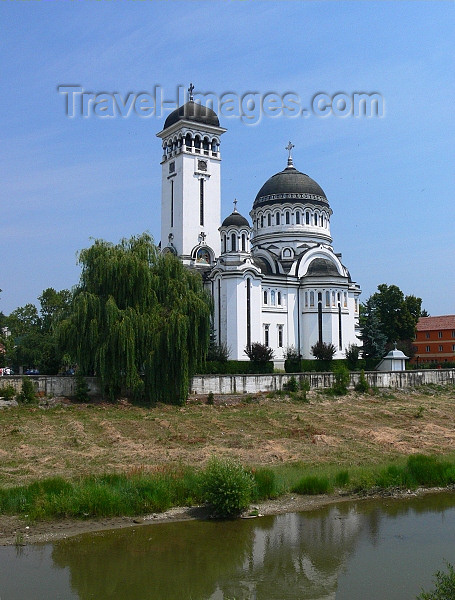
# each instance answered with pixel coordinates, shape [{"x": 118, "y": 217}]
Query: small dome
[
  {"x": 322, "y": 267},
  {"x": 192, "y": 111},
  {"x": 289, "y": 185},
  {"x": 236, "y": 219}
]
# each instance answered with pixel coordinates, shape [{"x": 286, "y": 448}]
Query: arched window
[
  {"x": 272, "y": 298},
  {"x": 315, "y": 218},
  {"x": 233, "y": 242},
  {"x": 333, "y": 298},
  {"x": 307, "y": 218},
  {"x": 279, "y": 298},
  {"x": 224, "y": 243},
  {"x": 188, "y": 140},
  {"x": 243, "y": 242},
  {"x": 265, "y": 297},
  {"x": 306, "y": 298},
  {"x": 297, "y": 217},
  {"x": 197, "y": 142},
  {"x": 288, "y": 217},
  {"x": 269, "y": 219},
  {"x": 262, "y": 220},
  {"x": 311, "y": 298},
  {"x": 205, "y": 143},
  {"x": 327, "y": 298},
  {"x": 277, "y": 218}
]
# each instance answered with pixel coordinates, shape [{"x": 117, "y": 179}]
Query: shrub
[
  {"x": 342, "y": 478},
  {"x": 312, "y": 485},
  {"x": 218, "y": 352},
  {"x": 342, "y": 379},
  {"x": 323, "y": 351},
  {"x": 352, "y": 356},
  {"x": 235, "y": 367},
  {"x": 259, "y": 353},
  {"x": 227, "y": 487},
  {"x": 210, "y": 398},
  {"x": 292, "y": 362},
  {"x": 427, "y": 470},
  {"x": 291, "y": 385},
  {"x": 27, "y": 395},
  {"x": 82, "y": 388},
  {"x": 362, "y": 385},
  {"x": 445, "y": 586},
  {"x": 8, "y": 392}
]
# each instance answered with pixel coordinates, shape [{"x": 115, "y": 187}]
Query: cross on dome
[
  {"x": 190, "y": 92},
  {"x": 289, "y": 149},
  {"x": 235, "y": 204}
]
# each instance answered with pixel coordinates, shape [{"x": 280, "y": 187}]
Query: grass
[
  {"x": 357, "y": 442},
  {"x": 226, "y": 485}
]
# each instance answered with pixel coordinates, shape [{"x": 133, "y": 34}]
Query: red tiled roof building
[{"x": 435, "y": 340}]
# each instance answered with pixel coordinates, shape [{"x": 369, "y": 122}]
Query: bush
[
  {"x": 218, "y": 352},
  {"x": 342, "y": 379},
  {"x": 362, "y": 385},
  {"x": 82, "y": 388},
  {"x": 227, "y": 487},
  {"x": 352, "y": 356},
  {"x": 210, "y": 399},
  {"x": 445, "y": 586},
  {"x": 259, "y": 353},
  {"x": 291, "y": 385},
  {"x": 312, "y": 485},
  {"x": 27, "y": 395},
  {"x": 342, "y": 478},
  {"x": 8, "y": 392},
  {"x": 323, "y": 351}
]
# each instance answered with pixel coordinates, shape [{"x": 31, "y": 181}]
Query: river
[{"x": 364, "y": 550}]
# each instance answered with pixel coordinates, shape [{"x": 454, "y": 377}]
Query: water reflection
[{"x": 317, "y": 555}]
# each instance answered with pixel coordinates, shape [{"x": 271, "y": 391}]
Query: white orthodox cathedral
[{"x": 277, "y": 281}]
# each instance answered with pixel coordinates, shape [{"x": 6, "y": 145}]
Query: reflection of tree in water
[
  {"x": 161, "y": 562},
  {"x": 274, "y": 558}
]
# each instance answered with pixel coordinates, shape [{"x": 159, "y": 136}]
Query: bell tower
[{"x": 191, "y": 184}]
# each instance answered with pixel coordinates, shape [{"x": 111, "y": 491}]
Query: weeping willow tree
[{"x": 139, "y": 320}]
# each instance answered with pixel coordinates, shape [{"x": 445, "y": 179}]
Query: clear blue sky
[{"x": 390, "y": 180}]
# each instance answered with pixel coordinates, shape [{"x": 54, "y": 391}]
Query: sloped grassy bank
[{"x": 227, "y": 487}]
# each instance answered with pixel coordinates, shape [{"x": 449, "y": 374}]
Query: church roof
[
  {"x": 322, "y": 267},
  {"x": 193, "y": 111},
  {"x": 289, "y": 185},
  {"x": 236, "y": 219}
]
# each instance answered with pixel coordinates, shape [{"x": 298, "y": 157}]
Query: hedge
[{"x": 235, "y": 367}]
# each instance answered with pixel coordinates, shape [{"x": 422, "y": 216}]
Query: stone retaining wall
[{"x": 248, "y": 384}]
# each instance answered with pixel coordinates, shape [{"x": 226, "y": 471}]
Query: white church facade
[{"x": 277, "y": 280}]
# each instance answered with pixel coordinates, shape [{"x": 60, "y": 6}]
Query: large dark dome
[
  {"x": 192, "y": 111},
  {"x": 289, "y": 185},
  {"x": 321, "y": 267}
]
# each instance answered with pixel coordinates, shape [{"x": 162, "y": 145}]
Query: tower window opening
[
  {"x": 262, "y": 220},
  {"x": 243, "y": 242},
  {"x": 280, "y": 336},
  {"x": 272, "y": 298},
  {"x": 327, "y": 298},
  {"x": 297, "y": 218},
  {"x": 172, "y": 203},
  {"x": 311, "y": 298},
  {"x": 197, "y": 142},
  {"x": 224, "y": 243},
  {"x": 315, "y": 219},
  {"x": 201, "y": 202},
  {"x": 205, "y": 144},
  {"x": 266, "y": 335},
  {"x": 333, "y": 298},
  {"x": 269, "y": 219},
  {"x": 279, "y": 298},
  {"x": 307, "y": 218},
  {"x": 265, "y": 297},
  {"x": 306, "y": 299},
  {"x": 277, "y": 218},
  {"x": 288, "y": 217},
  {"x": 233, "y": 242},
  {"x": 188, "y": 141}
]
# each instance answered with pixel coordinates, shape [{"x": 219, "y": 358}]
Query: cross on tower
[
  {"x": 235, "y": 204},
  {"x": 202, "y": 235},
  {"x": 190, "y": 92},
  {"x": 289, "y": 149}
]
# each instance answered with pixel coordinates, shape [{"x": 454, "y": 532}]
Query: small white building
[
  {"x": 277, "y": 280},
  {"x": 395, "y": 360}
]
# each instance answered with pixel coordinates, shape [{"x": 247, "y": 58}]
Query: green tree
[
  {"x": 389, "y": 313},
  {"x": 323, "y": 351},
  {"x": 139, "y": 320}
]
